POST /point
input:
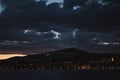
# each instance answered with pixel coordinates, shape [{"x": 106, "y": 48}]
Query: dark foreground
[{"x": 59, "y": 75}]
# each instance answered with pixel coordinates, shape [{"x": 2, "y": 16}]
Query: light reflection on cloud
[
  {"x": 57, "y": 34},
  {"x": 2, "y": 7},
  {"x": 74, "y": 33},
  {"x": 108, "y": 43},
  {"x": 76, "y": 7},
  {"x": 38, "y": 33},
  {"x": 54, "y": 1}
]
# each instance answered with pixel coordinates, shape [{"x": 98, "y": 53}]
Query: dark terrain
[{"x": 70, "y": 59}]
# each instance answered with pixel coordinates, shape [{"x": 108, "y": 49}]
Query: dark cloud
[
  {"x": 92, "y": 16},
  {"x": 91, "y": 25}
]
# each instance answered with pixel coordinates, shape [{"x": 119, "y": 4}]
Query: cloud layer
[{"x": 32, "y": 24}]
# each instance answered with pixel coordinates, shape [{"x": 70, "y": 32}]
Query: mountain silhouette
[
  {"x": 64, "y": 58},
  {"x": 69, "y": 54}
]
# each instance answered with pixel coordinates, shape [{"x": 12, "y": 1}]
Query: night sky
[{"x": 36, "y": 26}]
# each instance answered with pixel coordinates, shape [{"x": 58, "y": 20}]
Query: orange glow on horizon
[{"x": 7, "y": 56}]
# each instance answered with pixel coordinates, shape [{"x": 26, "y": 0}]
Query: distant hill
[
  {"x": 65, "y": 54},
  {"x": 63, "y": 58},
  {"x": 71, "y": 53}
]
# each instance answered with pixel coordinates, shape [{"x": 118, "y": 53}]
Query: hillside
[{"x": 64, "y": 58}]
